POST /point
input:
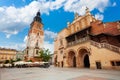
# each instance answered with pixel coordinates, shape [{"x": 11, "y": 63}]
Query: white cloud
[
  {"x": 99, "y": 16},
  {"x": 57, "y": 4},
  {"x": 80, "y": 5},
  {"x": 17, "y": 46},
  {"x": 48, "y": 45},
  {"x": 25, "y": 39},
  {"x": 8, "y": 35},
  {"x": 114, "y": 4},
  {"x": 48, "y": 40},
  {"x": 49, "y": 34},
  {"x": 23, "y": 0},
  {"x": 15, "y": 19}
]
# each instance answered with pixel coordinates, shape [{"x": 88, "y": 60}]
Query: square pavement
[{"x": 53, "y": 73}]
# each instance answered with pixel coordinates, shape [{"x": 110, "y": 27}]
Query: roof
[
  {"x": 110, "y": 28},
  {"x": 8, "y": 49}
]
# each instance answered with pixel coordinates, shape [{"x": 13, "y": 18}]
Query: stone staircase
[{"x": 106, "y": 45}]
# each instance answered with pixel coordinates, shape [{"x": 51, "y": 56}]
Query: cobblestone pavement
[{"x": 53, "y": 73}]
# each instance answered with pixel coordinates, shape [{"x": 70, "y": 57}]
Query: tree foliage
[
  {"x": 11, "y": 61},
  {"x": 45, "y": 55},
  {"x": 6, "y": 61},
  {"x": 18, "y": 59}
]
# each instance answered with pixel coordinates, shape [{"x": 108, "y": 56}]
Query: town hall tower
[{"x": 35, "y": 38}]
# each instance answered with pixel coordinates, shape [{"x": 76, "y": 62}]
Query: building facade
[
  {"x": 88, "y": 43},
  {"x": 35, "y": 38},
  {"x": 7, "y": 54}
]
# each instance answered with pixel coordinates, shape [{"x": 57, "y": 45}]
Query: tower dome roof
[{"x": 37, "y": 17}]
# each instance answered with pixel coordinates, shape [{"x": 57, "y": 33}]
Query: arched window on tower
[
  {"x": 37, "y": 34},
  {"x": 36, "y": 51},
  {"x": 36, "y": 44},
  {"x": 27, "y": 52}
]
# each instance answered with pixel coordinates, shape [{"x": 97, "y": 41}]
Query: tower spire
[{"x": 38, "y": 17}]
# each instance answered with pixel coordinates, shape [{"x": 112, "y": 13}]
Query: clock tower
[{"x": 35, "y": 38}]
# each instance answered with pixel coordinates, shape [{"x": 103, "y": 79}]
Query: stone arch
[
  {"x": 83, "y": 47},
  {"x": 71, "y": 58},
  {"x": 71, "y": 50},
  {"x": 83, "y": 57}
]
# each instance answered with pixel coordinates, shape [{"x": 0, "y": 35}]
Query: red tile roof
[{"x": 110, "y": 28}]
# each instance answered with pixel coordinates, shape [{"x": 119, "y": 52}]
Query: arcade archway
[
  {"x": 83, "y": 58},
  {"x": 71, "y": 59}
]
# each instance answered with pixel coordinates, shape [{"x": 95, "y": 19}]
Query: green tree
[
  {"x": 18, "y": 59},
  {"x": 11, "y": 61},
  {"x": 45, "y": 55},
  {"x": 6, "y": 61}
]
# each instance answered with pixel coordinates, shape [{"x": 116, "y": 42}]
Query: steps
[{"x": 106, "y": 45}]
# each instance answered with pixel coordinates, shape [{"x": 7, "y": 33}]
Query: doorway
[
  {"x": 62, "y": 64},
  {"x": 74, "y": 61},
  {"x": 98, "y": 65},
  {"x": 71, "y": 59},
  {"x": 86, "y": 61}
]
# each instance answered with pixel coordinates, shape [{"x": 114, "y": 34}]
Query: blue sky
[{"x": 16, "y": 16}]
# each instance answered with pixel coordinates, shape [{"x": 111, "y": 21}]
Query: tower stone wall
[{"x": 35, "y": 38}]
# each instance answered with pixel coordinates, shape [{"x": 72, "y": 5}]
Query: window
[
  {"x": 115, "y": 63},
  {"x": 38, "y": 34},
  {"x": 27, "y": 52},
  {"x": 36, "y": 44},
  {"x": 112, "y": 63},
  {"x": 61, "y": 42},
  {"x": 36, "y": 51}
]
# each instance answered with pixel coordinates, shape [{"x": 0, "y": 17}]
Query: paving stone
[{"x": 53, "y": 73}]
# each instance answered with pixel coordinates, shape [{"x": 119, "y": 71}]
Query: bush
[
  {"x": 29, "y": 61},
  {"x": 18, "y": 59},
  {"x": 11, "y": 61}
]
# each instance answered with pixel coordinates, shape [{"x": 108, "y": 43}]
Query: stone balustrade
[
  {"x": 77, "y": 41},
  {"x": 106, "y": 45}
]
